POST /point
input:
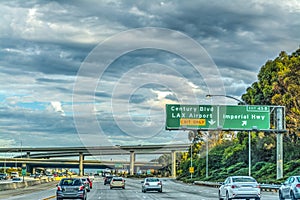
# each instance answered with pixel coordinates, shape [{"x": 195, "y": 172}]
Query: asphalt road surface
[{"x": 171, "y": 190}]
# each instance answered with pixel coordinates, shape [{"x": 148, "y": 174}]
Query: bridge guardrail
[{"x": 263, "y": 186}]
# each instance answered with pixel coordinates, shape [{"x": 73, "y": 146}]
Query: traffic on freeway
[{"x": 171, "y": 190}]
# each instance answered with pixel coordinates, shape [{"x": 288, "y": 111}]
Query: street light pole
[
  {"x": 249, "y": 133},
  {"x": 191, "y": 159},
  {"x": 206, "y": 171}
]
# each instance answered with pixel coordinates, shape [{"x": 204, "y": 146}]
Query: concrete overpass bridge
[
  {"x": 71, "y": 163},
  {"x": 49, "y": 153}
]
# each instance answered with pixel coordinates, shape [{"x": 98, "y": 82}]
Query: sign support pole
[
  {"x": 249, "y": 157},
  {"x": 279, "y": 146}
]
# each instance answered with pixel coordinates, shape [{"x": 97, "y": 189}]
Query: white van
[{"x": 14, "y": 174}]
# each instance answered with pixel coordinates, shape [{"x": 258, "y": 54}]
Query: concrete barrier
[{"x": 12, "y": 186}]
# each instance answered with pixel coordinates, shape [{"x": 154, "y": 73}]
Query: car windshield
[{"x": 243, "y": 179}]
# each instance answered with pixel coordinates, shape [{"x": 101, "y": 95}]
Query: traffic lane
[
  {"x": 134, "y": 191},
  {"x": 39, "y": 191},
  {"x": 171, "y": 190}
]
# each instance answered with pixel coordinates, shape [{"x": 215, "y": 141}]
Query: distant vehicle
[
  {"x": 86, "y": 184},
  {"x": 151, "y": 184},
  {"x": 16, "y": 179},
  {"x": 117, "y": 182},
  {"x": 91, "y": 177},
  {"x": 14, "y": 174},
  {"x": 239, "y": 187},
  {"x": 90, "y": 182},
  {"x": 3, "y": 176},
  {"x": 71, "y": 188},
  {"x": 107, "y": 179},
  {"x": 50, "y": 175},
  {"x": 37, "y": 175},
  {"x": 290, "y": 189}
]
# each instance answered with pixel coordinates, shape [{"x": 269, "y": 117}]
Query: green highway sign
[
  {"x": 223, "y": 117},
  {"x": 118, "y": 165},
  {"x": 23, "y": 172}
]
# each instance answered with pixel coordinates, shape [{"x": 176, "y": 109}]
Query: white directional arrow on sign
[
  {"x": 244, "y": 123},
  {"x": 211, "y": 122}
]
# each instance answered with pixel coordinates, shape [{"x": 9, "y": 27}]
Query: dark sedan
[
  {"x": 71, "y": 188},
  {"x": 107, "y": 179}
]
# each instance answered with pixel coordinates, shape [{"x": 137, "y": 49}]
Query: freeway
[{"x": 171, "y": 190}]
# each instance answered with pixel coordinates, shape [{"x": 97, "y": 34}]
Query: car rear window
[
  {"x": 117, "y": 179},
  {"x": 152, "y": 180},
  {"x": 70, "y": 182},
  {"x": 243, "y": 179}
]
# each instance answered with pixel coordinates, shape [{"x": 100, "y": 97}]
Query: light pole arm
[{"x": 221, "y": 95}]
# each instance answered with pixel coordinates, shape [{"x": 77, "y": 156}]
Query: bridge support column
[
  {"x": 81, "y": 158},
  {"x": 132, "y": 160},
  {"x": 173, "y": 155},
  {"x": 27, "y": 154}
]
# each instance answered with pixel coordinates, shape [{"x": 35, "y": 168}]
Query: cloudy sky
[{"x": 95, "y": 72}]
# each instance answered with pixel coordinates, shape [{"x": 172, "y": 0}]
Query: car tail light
[
  {"x": 258, "y": 186},
  {"x": 298, "y": 186},
  {"x": 58, "y": 188},
  {"x": 233, "y": 186},
  {"x": 159, "y": 183},
  {"x": 81, "y": 188},
  {"x": 146, "y": 183}
]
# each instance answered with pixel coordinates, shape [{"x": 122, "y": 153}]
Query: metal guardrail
[{"x": 263, "y": 186}]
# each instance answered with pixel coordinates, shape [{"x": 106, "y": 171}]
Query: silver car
[
  {"x": 71, "y": 188},
  {"x": 239, "y": 187},
  {"x": 151, "y": 184},
  {"x": 290, "y": 189}
]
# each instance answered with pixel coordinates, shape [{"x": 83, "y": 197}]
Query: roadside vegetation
[{"x": 278, "y": 84}]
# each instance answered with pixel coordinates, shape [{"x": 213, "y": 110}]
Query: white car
[
  {"x": 239, "y": 187},
  {"x": 290, "y": 189},
  {"x": 151, "y": 184}
]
